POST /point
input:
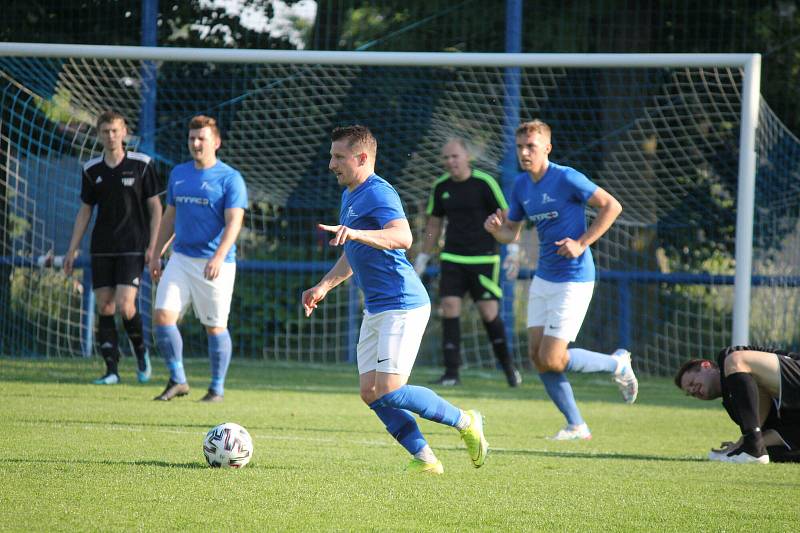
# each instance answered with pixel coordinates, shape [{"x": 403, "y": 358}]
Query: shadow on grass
[
  {"x": 191, "y": 465},
  {"x": 596, "y": 455},
  {"x": 203, "y": 426}
]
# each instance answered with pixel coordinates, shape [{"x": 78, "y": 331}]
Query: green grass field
[{"x": 80, "y": 457}]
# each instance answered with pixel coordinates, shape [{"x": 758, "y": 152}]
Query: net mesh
[{"x": 663, "y": 141}]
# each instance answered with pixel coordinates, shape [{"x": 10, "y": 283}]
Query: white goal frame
[{"x": 749, "y": 63}]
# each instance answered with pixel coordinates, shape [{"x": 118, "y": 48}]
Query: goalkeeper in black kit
[
  {"x": 470, "y": 262},
  {"x": 760, "y": 390}
]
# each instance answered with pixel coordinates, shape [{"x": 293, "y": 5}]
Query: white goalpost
[{"x": 674, "y": 136}]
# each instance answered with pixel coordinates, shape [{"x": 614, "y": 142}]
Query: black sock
[
  {"x": 133, "y": 327},
  {"x": 743, "y": 393},
  {"x": 451, "y": 346},
  {"x": 107, "y": 342},
  {"x": 497, "y": 336}
]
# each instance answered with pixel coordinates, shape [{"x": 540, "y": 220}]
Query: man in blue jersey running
[
  {"x": 554, "y": 198},
  {"x": 206, "y": 200},
  {"x": 374, "y": 232}
]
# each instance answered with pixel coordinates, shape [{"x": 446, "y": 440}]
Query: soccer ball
[{"x": 228, "y": 445}]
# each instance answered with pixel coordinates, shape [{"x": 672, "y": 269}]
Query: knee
[
  {"x": 551, "y": 365},
  {"x": 368, "y": 395},
  {"x": 106, "y": 308},
  {"x": 128, "y": 311}
]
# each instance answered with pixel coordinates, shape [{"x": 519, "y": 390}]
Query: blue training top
[
  {"x": 200, "y": 198},
  {"x": 556, "y": 204},
  {"x": 385, "y": 276}
]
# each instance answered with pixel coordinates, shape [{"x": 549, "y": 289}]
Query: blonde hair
[{"x": 534, "y": 126}]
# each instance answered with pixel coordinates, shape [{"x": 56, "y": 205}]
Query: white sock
[
  {"x": 463, "y": 421},
  {"x": 426, "y": 455}
]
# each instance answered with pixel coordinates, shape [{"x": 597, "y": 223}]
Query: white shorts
[
  {"x": 182, "y": 283},
  {"x": 389, "y": 340},
  {"x": 559, "y": 307}
]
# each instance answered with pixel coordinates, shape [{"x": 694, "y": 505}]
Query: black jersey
[
  {"x": 466, "y": 204},
  {"x": 122, "y": 226},
  {"x": 784, "y": 413}
]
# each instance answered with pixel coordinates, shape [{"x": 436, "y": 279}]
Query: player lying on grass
[
  {"x": 760, "y": 390},
  {"x": 374, "y": 233}
]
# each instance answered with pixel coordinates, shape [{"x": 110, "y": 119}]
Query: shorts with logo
[
  {"x": 480, "y": 279},
  {"x": 183, "y": 283},
  {"x": 113, "y": 270},
  {"x": 559, "y": 307},
  {"x": 389, "y": 340}
]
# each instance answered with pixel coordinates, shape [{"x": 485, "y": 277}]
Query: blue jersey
[
  {"x": 200, "y": 198},
  {"x": 385, "y": 276},
  {"x": 556, "y": 204}
]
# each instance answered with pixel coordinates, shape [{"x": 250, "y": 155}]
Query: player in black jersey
[
  {"x": 125, "y": 188},
  {"x": 469, "y": 260},
  {"x": 760, "y": 390}
]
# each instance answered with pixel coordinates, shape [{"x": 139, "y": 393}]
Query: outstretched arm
[
  {"x": 336, "y": 275},
  {"x": 395, "y": 235}
]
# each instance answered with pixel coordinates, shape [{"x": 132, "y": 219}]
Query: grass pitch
[{"x": 79, "y": 457}]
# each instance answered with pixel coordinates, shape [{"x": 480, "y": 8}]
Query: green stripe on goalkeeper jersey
[
  {"x": 443, "y": 177},
  {"x": 470, "y": 259},
  {"x": 493, "y": 185}
]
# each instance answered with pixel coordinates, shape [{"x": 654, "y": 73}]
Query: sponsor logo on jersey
[
  {"x": 350, "y": 213},
  {"x": 550, "y": 215},
  {"x": 98, "y": 181},
  {"x": 191, "y": 200},
  {"x": 128, "y": 182},
  {"x": 446, "y": 195},
  {"x": 547, "y": 199}
]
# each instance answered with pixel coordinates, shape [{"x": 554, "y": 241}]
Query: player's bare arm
[
  {"x": 608, "y": 209},
  {"x": 166, "y": 230},
  {"x": 81, "y": 223},
  {"x": 234, "y": 217},
  {"x": 503, "y": 229},
  {"x": 336, "y": 275},
  {"x": 395, "y": 235},
  {"x": 155, "y": 210}
]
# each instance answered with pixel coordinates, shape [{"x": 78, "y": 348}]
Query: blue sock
[
  {"x": 401, "y": 425},
  {"x": 220, "y": 349},
  {"x": 423, "y": 402},
  {"x": 560, "y": 391},
  {"x": 581, "y": 360},
  {"x": 170, "y": 344}
]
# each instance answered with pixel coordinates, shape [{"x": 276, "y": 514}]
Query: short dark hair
[
  {"x": 202, "y": 121},
  {"x": 106, "y": 117},
  {"x": 356, "y": 134},
  {"x": 691, "y": 365}
]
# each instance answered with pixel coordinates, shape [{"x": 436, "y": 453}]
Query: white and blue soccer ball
[{"x": 228, "y": 445}]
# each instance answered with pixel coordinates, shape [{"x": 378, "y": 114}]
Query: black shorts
[
  {"x": 113, "y": 270},
  {"x": 480, "y": 280},
  {"x": 790, "y": 381}
]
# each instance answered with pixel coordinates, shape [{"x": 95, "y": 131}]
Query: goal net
[{"x": 664, "y": 139}]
